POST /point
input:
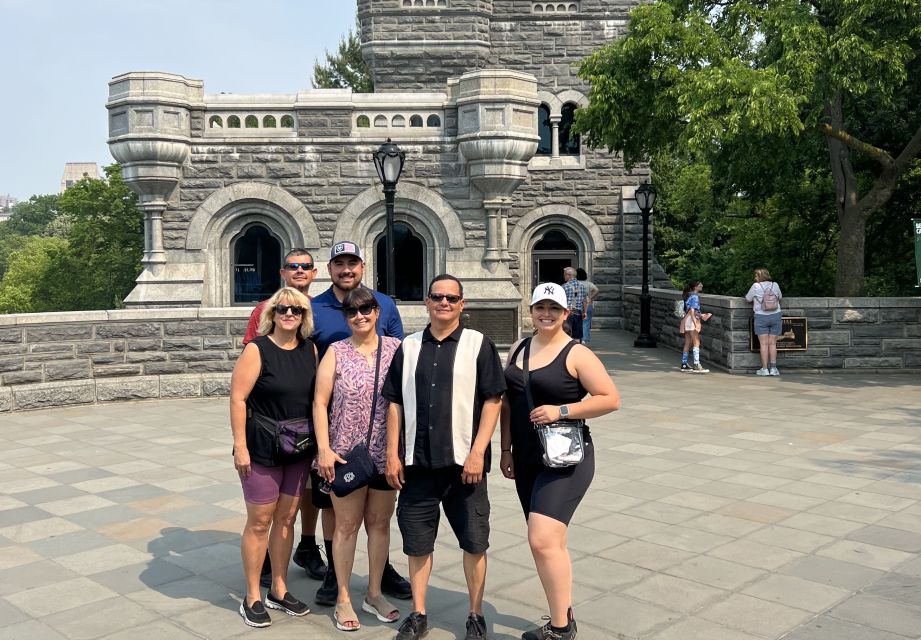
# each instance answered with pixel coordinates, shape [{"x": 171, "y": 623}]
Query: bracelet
[{"x": 506, "y": 451}]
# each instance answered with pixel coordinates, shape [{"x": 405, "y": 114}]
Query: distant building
[
  {"x": 6, "y": 206},
  {"x": 74, "y": 171}
]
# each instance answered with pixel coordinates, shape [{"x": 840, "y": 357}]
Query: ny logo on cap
[{"x": 549, "y": 289}]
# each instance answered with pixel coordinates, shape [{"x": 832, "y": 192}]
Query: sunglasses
[
  {"x": 438, "y": 297},
  {"x": 365, "y": 310},
  {"x": 283, "y": 309},
  {"x": 293, "y": 266}
]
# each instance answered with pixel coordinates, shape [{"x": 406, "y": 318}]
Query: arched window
[
  {"x": 415, "y": 121},
  {"x": 398, "y": 121},
  {"x": 569, "y": 141},
  {"x": 553, "y": 253},
  {"x": 256, "y": 257},
  {"x": 380, "y": 121},
  {"x": 545, "y": 131},
  {"x": 433, "y": 121},
  {"x": 287, "y": 122},
  {"x": 252, "y": 122},
  {"x": 363, "y": 122},
  {"x": 233, "y": 122},
  {"x": 409, "y": 263},
  {"x": 216, "y": 122},
  {"x": 268, "y": 122}
]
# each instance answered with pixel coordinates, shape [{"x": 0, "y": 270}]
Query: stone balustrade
[{"x": 882, "y": 334}]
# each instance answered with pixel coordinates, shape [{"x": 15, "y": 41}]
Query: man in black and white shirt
[{"x": 445, "y": 386}]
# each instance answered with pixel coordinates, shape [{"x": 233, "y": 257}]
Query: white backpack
[
  {"x": 679, "y": 309},
  {"x": 769, "y": 301}
]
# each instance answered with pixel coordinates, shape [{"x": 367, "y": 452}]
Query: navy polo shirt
[{"x": 329, "y": 325}]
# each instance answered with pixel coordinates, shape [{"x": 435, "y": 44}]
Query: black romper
[{"x": 554, "y": 493}]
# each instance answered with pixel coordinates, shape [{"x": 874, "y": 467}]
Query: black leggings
[{"x": 554, "y": 493}]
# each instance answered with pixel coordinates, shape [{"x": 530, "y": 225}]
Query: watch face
[{"x": 564, "y": 411}]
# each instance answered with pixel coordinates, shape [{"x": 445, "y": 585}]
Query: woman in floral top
[{"x": 345, "y": 386}]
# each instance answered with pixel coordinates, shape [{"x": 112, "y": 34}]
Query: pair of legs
[
  {"x": 373, "y": 507},
  {"x": 691, "y": 345},
  {"x": 768, "y": 327},
  {"x": 466, "y": 507},
  {"x": 575, "y": 325},
  {"x": 549, "y": 498},
  {"x": 768, "y": 344},
  {"x": 587, "y": 324}
]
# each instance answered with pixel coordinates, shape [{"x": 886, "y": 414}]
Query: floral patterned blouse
[{"x": 350, "y": 407}]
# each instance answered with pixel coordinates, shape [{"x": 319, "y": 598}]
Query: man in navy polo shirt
[{"x": 346, "y": 269}]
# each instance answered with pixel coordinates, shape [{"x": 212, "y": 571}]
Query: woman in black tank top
[
  {"x": 272, "y": 380},
  {"x": 567, "y": 380}
]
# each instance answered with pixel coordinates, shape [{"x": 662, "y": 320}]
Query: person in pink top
[{"x": 342, "y": 417}]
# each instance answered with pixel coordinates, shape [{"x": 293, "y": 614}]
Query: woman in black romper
[{"x": 567, "y": 380}]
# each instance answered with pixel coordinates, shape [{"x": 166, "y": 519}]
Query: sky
[{"x": 57, "y": 57}]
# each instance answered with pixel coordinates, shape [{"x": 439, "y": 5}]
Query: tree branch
[
  {"x": 875, "y": 153},
  {"x": 885, "y": 184}
]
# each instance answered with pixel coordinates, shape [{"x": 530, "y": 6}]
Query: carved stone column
[{"x": 555, "y": 136}]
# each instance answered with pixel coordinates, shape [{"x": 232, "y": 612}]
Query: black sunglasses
[
  {"x": 292, "y": 266},
  {"x": 365, "y": 310},
  {"x": 438, "y": 297},
  {"x": 283, "y": 309}
]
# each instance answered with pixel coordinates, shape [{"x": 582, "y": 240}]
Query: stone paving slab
[{"x": 708, "y": 518}]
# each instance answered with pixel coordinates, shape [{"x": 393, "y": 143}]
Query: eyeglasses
[
  {"x": 293, "y": 266},
  {"x": 365, "y": 310},
  {"x": 438, "y": 297},
  {"x": 283, "y": 309}
]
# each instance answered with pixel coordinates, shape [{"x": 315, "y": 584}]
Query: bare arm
[
  {"x": 245, "y": 374},
  {"x": 473, "y": 465},
  {"x": 326, "y": 457},
  {"x": 394, "y": 463}
]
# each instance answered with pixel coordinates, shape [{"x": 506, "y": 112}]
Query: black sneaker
[
  {"x": 547, "y": 633},
  {"x": 256, "y": 615},
  {"x": 307, "y": 556},
  {"x": 476, "y": 627},
  {"x": 415, "y": 626},
  {"x": 328, "y": 591},
  {"x": 265, "y": 578},
  {"x": 289, "y": 604},
  {"x": 685, "y": 367},
  {"x": 395, "y": 585}
]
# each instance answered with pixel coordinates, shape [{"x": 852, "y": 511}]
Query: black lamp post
[
  {"x": 388, "y": 160},
  {"x": 645, "y": 198}
]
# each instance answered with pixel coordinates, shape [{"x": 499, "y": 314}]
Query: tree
[
  {"x": 766, "y": 91},
  {"x": 345, "y": 69},
  {"x": 105, "y": 245},
  {"x": 31, "y": 218},
  {"x": 29, "y": 269}
]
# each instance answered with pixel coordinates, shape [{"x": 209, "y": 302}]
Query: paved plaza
[{"x": 724, "y": 507}]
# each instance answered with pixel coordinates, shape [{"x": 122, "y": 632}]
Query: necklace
[{"x": 364, "y": 349}]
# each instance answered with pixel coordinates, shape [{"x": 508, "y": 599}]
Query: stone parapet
[{"x": 856, "y": 334}]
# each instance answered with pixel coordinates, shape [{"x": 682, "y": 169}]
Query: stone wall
[
  {"x": 55, "y": 359},
  {"x": 857, "y": 334}
]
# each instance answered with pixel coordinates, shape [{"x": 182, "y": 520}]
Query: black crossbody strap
[{"x": 377, "y": 370}]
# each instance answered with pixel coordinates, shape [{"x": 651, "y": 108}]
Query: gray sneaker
[{"x": 774, "y": 371}]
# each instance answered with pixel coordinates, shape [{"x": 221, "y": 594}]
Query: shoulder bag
[
  {"x": 359, "y": 468},
  {"x": 563, "y": 441}
]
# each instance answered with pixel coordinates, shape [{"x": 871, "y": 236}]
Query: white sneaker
[
  {"x": 774, "y": 371},
  {"x": 762, "y": 372},
  {"x": 697, "y": 368}
]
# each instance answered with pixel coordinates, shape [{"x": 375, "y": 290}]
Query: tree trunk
[{"x": 849, "y": 273}]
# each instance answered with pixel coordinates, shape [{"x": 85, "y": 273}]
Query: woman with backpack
[
  {"x": 690, "y": 327},
  {"x": 766, "y": 296}
]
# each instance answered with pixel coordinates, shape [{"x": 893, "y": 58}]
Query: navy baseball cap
[{"x": 345, "y": 249}]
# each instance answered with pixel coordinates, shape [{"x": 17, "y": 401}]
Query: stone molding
[{"x": 531, "y": 224}]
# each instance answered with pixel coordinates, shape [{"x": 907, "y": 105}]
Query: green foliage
[
  {"x": 768, "y": 95},
  {"x": 28, "y": 269},
  {"x": 345, "y": 69},
  {"x": 94, "y": 262}
]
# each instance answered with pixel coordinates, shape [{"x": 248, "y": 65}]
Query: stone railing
[
  {"x": 882, "y": 334},
  {"x": 55, "y": 359}
]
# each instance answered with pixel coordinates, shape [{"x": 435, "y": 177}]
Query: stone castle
[{"x": 497, "y": 188}]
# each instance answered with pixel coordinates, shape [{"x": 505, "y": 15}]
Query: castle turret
[{"x": 416, "y": 45}]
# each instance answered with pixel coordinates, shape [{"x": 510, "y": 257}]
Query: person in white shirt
[{"x": 765, "y": 294}]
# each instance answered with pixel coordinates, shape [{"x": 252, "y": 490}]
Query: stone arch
[
  {"x": 426, "y": 212},
  {"x": 571, "y": 95},
  {"x": 531, "y": 227},
  {"x": 227, "y": 212},
  {"x": 552, "y": 102}
]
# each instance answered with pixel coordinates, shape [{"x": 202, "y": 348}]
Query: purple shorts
[{"x": 264, "y": 484}]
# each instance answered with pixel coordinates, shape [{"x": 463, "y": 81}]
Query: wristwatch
[{"x": 564, "y": 411}]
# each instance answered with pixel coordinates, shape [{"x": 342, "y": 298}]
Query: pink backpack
[{"x": 769, "y": 301}]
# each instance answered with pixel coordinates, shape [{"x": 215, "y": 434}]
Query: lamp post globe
[
  {"x": 388, "y": 161},
  {"x": 645, "y": 199}
]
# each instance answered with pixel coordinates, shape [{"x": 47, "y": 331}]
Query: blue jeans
[{"x": 587, "y": 324}]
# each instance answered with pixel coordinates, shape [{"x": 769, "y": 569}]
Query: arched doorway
[
  {"x": 256, "y": 260},
  {"x": 409, "y": 264},
  {"x": 551, "y": 254}
]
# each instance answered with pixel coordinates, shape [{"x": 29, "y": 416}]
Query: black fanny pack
[{"x": 285, "y": 439}]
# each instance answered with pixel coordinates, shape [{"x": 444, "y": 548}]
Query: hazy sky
[{"x": 57, "y": 57}]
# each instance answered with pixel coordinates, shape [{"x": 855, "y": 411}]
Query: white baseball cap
[{"x": 550, "y": 291}]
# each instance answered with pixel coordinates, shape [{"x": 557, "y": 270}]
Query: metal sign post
[{"x": 916, "y": 224}]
